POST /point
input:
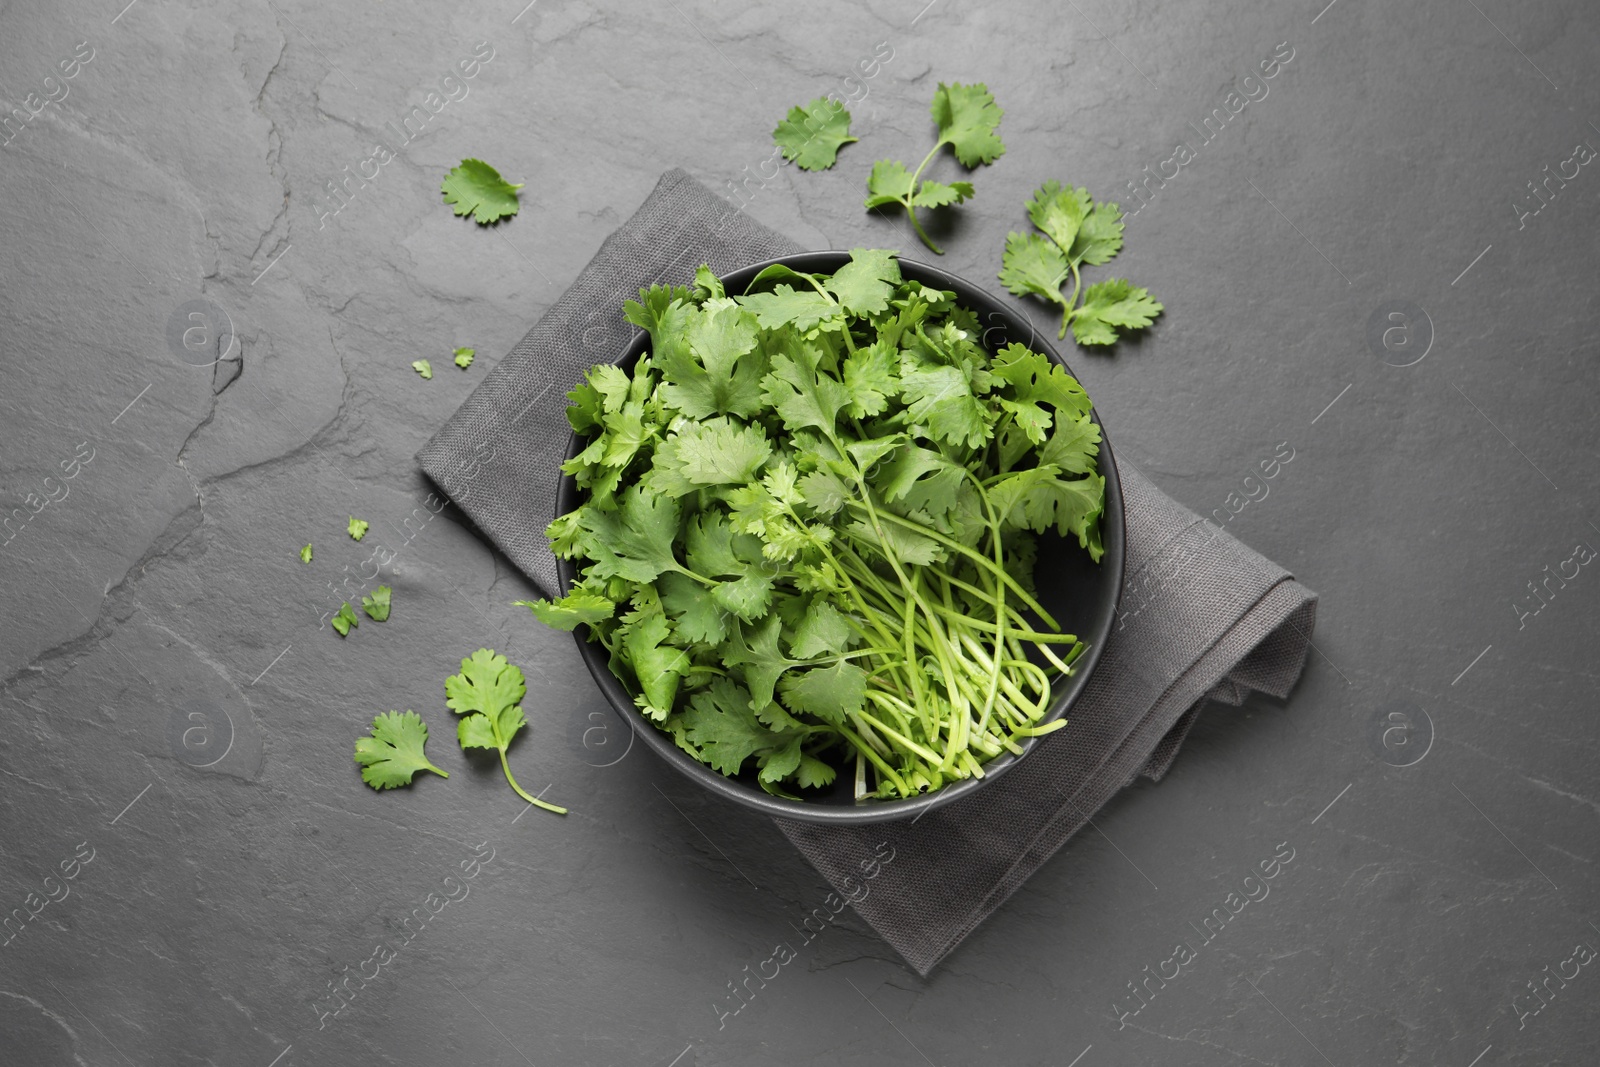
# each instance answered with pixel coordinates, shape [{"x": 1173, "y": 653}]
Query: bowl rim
[{"x": 1113, "y": 537}]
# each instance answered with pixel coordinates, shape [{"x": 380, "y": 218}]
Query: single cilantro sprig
[
  {"x": 305, "y": 553},
  {"x": 967, "y": 117},
  {"x": 393, "y": 754},
  {"x": 345, "y": 619},
  {"x": 422, "y": 367},
  {"x": 811, "y": 136},
  {"x": 487, "y": 694},
  {"x": 376, "y": 604},
  {"x": 464, "y": 357},
  {"x": 476, "y": 189},
  {"x": 1074, "y": 230},
  {"x": 356, "y": 528}
]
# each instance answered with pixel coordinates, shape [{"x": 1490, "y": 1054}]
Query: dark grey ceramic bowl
[{"x": 1081, "y": 594}]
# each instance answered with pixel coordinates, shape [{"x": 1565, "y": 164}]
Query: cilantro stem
[
  {"x": 1071, "y": 302},
  {"x": 912, "y": 195},
  {"x": 523, "y": 793},
  {"x": 976, "y": 557}
]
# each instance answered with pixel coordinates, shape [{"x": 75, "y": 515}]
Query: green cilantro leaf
[
  {"x": 722, "y": 726},
  {"x": 938, "y": 194},
  {"x": 779, "y": 764},
  {"x": 1058, "y": 212},
  {"x": 635, "y": 542},
  {"x": 889, "y": 183},
  {"x": 476, "y": 189},
  {"x": 1074, "y": 446},
  {"x": 941, "y": 397},
  {"x": 393, "y": 754},
  {"x": 1111, "y": 305},
  {"x": 305, "y": 553},
  {"x": 786, "y": 306},
  {"x": 376, "y": 604},
  {"x": 967, "y": 116},
  {"x": 754, "y": 649},
  {"x": 829, "y": 693},
  {"x": 803, "y": 395},
  {"x": 718, "y": 451},
  {"x": 870, "y": 379},
  {"x": 1032, "y": 264},
  {"x": 422, "y": 367},
  {"x": 813, "y": 773},
  {"x": 811, "y": 136},
  {"x": 821, "y": 630},
  {"x": 865, "y": 284},
  {"x": 1033, "y": 381},
  {"x": 658, "y": 665},
  {"x": 577, "y": 607},
  {"x": 487, "y": 694},
  {"x": 1100, "y": 236},
  {"x": 345, "y": 619},
  {"x": 464, "y": 357},
  {"x": 357, "y": 528},
  {"x": 695, "y": 616}
]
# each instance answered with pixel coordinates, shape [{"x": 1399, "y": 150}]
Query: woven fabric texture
[{"x": 1202, "y": 616}]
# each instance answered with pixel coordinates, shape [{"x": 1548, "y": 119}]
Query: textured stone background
[{"x": 174, "y": 709}]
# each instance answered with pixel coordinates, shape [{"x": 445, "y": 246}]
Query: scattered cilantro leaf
[
  {"x": 811, "y": 136},
  {"x": 967, "y": 118},
  {"x": 476, "y": 189},
  {"x": 305, "y": 553},
  {"x": 487, "y": 694},
  {"x": 357, "y": 528},
  {"x": 393, "y": 754},
  {"x": 1074, "y": 231},
  {"x": 422, "y": 367},
  {"x": 376, "y": 604},
  {"x": 344, "y": 620},
  {"x": 464, "y": 357}
]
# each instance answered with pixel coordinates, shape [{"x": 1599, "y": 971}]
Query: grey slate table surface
[{"x": 179, "y": 805}]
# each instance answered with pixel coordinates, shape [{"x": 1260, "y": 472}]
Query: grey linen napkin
[{"x": 1202, "y": 616}]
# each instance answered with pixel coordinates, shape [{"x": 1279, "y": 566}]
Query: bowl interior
[{"x": 1081, "y": 594}]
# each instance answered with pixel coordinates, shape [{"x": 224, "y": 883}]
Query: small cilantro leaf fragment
[
  {"x": 393, "y": 753},
  {"x": 357, "y": 528},
  {"x": 345, "y": 619},
  {"x": 305, "y": 553},
  {"x": 422, "y": 367},
  {"x": 1073, "y": 231},
  {"x": 811, "y": 136},
  {"x": 376, "y": 604},
  {"x": 487, "y": 694},
  {"x": 476, "y": 189},
  {"x": 464, "y": 357},
  {"x": 967, "y": 117}
]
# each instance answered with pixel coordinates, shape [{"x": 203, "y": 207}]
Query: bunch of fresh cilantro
[{"x": 808, "y": 528}]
